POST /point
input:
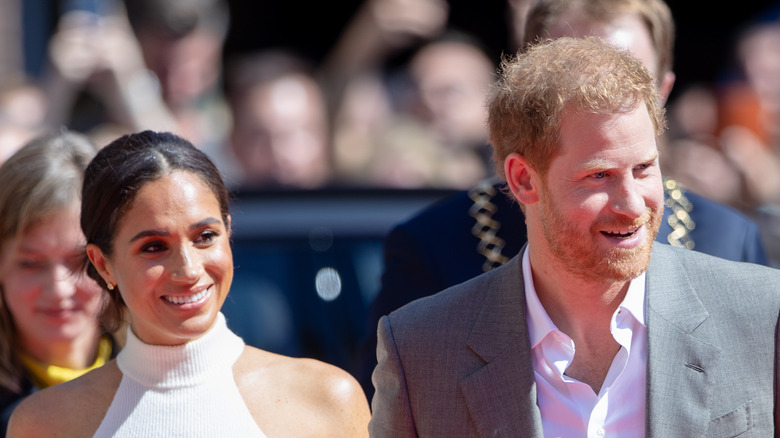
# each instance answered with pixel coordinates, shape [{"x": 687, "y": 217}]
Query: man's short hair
[{"x": 587, "y": 75}]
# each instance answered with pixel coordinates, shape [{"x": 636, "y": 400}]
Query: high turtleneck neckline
[
  {"x": 181, "y": 390},
  {"x": 188, "y": 364}
]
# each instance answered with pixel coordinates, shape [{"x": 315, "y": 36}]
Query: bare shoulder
[
  {"x": 301, "y": 397},
  {"x": 64, "y": 418}
]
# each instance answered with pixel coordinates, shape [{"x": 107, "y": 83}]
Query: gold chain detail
[
  {"x": 490, "y": 245},
  {"x": 680, "y": 221}
]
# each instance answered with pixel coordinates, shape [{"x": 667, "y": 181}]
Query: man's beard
[{"x": 581, "y": 253}]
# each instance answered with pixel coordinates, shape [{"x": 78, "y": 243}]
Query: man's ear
[
  {"x": 521, "y": 179},
  {"x": 100, "y": 262},
  {"x": 666, "y": 87}
]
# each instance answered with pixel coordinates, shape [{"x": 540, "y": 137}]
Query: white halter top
[{"x": 180, "y": 391}]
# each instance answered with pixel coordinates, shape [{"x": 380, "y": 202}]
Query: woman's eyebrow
[{"x": 165, "y": 233}]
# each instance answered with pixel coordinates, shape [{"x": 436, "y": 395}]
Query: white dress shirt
[{"x": 570, "y": 408}]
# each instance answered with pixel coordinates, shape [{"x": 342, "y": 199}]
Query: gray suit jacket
[{"x": 458, "y": 363}]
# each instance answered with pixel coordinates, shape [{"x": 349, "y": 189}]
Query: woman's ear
[
  {"x": 101, "y": 263},
  {"x": 521, "y": 179},
  {"x": 229, "y": 225}
]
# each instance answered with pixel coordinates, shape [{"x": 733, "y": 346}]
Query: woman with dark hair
[
  {"x": 50, "y": 329},
  {"x": 155, "y": 215}
]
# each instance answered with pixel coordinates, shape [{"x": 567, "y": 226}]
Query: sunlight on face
[
  {"x": 172, "y": 259},
  {"x": 602, "y": 202}
]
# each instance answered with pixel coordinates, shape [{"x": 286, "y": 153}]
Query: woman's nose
[
  {"x": 63, "y": 280},
  {"x": 187, "y": 266}
]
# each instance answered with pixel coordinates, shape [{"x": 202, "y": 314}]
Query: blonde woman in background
[{"x": 49, "y": 309}]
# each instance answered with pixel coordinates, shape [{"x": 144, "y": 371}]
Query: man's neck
[
  {"x": 581, "y": 308},
  {"x": 575, "y": 300}
]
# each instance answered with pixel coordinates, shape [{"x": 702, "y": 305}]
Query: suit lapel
[
  {"x": 678, "y": 363},
  {"x": 501, "y": 396}
]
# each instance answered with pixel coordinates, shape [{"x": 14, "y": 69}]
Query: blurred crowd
[
  {"x": 270, "y": 118},
  {"x": 274, "y": 118},
  {"x": 725, "y": 135}
]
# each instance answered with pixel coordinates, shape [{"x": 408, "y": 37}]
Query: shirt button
[{"x": 600, "y": 432}]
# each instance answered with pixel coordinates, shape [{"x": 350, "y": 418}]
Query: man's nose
[{"x": 627, "y": 198}]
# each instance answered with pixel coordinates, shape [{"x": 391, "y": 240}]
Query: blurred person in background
[
  {"x": 750, "y": 115},
  {"x": 378, "y": 139},
  {"x": 451, "y": 76},
  {"x": 727, "y": 142},
  {"x": 50, "y": 310},
  {"x": 22, "y": 114},
  {"x": 693, "y": 156},
  {"x": 405, "y": 96},
  {"x": 116, "y": 67},
  {"x": 430, "y": 131},
  {"x": 725, "y": 137},
  {"x": 750, "y": 127},
  {"x": 280, "y": 134},
  {"x": 182, "y": 45},
  {"x": 95, "y": 78},
  {"x": 379, "y": 30}
]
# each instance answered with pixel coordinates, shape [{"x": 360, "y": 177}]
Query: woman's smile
[{"x": 189, "y": 300}]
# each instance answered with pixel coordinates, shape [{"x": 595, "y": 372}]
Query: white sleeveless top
[{"x": 180, "y": 391}]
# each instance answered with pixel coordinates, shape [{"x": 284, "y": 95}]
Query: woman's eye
[
  {"x": 207, "y": 237},
  {"x": 153, "y": 247},
  {"x": 31, "y": 264}
]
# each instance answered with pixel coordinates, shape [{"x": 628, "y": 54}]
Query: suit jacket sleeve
[{"x": 392, "y": 413}]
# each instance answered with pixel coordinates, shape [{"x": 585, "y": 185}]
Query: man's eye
[{"x": 598, "y": 175}]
